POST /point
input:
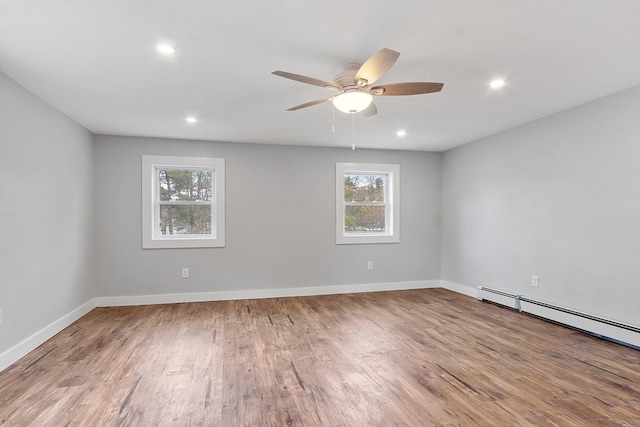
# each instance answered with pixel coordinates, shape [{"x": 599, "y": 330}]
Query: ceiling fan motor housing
[{"x": 346, "y": 78}]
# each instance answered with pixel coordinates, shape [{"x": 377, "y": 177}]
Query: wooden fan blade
[
  {"x": 371, "y": 110},
  {"x": 415, "y": 88},
  {"x": 305, "y": 79},
  {"x": 310, "y": 104},
  {"x": 376, "y": 66}
]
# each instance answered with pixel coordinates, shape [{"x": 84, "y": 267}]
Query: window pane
[
  {"x": 364, "y": 188},
  {"x": 185, "y": 185},
  {"x": 364, "y": 219},
  {"x": 185, "y": 219}
]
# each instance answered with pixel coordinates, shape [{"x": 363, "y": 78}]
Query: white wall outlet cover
[{"x": 535, "y": 281}]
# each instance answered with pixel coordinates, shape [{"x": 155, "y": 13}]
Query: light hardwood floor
[{"x": 408, "y": 358}]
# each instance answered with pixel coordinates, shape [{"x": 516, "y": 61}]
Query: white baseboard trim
[
  {"x": 461, "y": 289},
  {"x": 21, "y": 349},
  {"x": 262, "y": 293}
]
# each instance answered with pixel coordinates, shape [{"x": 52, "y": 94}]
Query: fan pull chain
[
  {"x": 353, "y": 131},
  {"x": 333, "y": 118}
]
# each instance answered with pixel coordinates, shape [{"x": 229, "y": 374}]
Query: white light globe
[{"x": 352, "y": 102}]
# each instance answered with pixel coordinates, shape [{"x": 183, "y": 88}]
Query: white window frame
[
  {"x": 150, "y": 202},
  {"x": 392, "y": 201}
]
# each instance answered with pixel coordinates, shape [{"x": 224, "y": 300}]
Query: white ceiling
[{"x": 96, "y": 62}]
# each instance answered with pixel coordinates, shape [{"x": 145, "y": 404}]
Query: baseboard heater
[{"x": 601, "y": 327}]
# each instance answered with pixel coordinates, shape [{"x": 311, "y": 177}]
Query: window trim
[
  {"x": 150, "y": 165},
  {"x": 392, "y": 197}
]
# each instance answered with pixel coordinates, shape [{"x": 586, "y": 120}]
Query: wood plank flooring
[{"x": 408, "y": 358}]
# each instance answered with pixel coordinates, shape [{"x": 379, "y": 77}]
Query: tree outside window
[
  {"x": 365, "y": 204},
  {"x": 185, "y": 201}
]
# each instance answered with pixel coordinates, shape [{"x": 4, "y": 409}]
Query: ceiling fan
[{"x": 354, "y": 85}]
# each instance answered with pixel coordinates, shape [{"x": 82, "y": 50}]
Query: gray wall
[
  {"x": 558, "y": 197},
  {"x": 45, "y": 214},
  {"x": 280, "y": 221}
]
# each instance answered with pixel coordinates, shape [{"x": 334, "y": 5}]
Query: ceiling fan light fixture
[{"x": 352, "y": 102}]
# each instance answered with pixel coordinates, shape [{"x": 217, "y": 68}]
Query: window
[
  {"x": 182, "y": 202},
  {"x": 367, "y": 203}
]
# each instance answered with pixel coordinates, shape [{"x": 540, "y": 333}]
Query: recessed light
[
  {"x": 191, "y": 119},
  {"x": 497, "y": 83},
  {"x": 401, "y": 133},
  {"x": 166, "y": 49}
]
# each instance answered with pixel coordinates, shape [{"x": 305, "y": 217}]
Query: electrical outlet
[
  {"x": 369, "y": 265},
  {"x": 535, "y": 281},
  {"x": 185, "y": 273}
]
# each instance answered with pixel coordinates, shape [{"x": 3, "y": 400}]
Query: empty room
[{"x": 319, "y": 213}]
